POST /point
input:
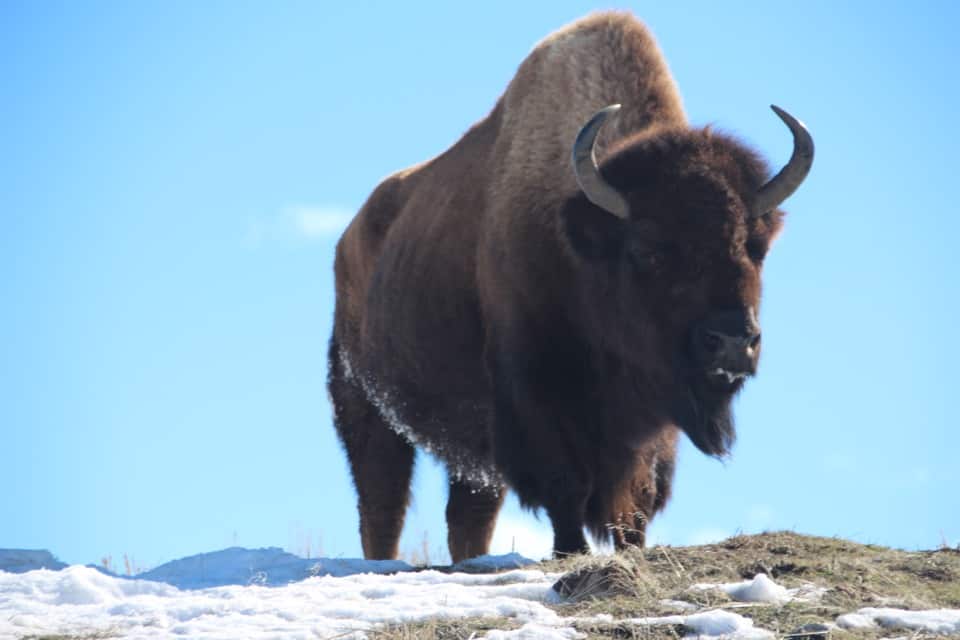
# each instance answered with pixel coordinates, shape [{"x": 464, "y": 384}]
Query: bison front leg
[
  {"x": 471, "y": 517},
  {"x": 650, "y": 490},
  {"x": 629, "y": 529},
  {"x": 541, "y": 465},
  {"x": 381, "y": 462},
  {"x": 567, "y": 517}
]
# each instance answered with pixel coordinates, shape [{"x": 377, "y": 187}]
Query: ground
[{"x": 753, "y": 587}]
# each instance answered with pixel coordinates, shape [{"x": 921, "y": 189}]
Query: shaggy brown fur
[{"x": 487, "y": 312}]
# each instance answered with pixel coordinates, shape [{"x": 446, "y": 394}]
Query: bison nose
[
  {"x": 728, "y": 356},
  {"x": 728, "y": 344}
]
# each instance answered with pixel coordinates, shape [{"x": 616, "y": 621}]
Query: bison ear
[{"x": 593, "y": 233}]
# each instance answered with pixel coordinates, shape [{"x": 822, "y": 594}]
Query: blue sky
[{"x": 173, "y": 177}]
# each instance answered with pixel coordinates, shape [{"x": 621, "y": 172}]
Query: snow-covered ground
[{"x": 268, "y": 593}]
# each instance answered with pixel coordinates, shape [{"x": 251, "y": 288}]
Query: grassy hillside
[{"x": 637, "y": 584}]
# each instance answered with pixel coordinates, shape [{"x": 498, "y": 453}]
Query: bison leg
[
  {"x": 530, "y": 423},
  {"x": 630, "y": 528},
  {"x": 471, "y": 516},
  {"x": 542, "y": 474},
  {"x": 568, "y": 537},
  {"x": 652, "y": 484},
  {"x": 381, "y": 462}
]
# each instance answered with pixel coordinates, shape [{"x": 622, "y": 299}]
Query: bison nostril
[{"x": 754, "y": 341}]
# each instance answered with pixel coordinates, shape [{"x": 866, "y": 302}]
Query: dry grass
[
  {"x": 638, "y": 583},
  {"x": 445, "y": 629}
]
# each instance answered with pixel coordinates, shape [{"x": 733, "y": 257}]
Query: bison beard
[
  {"x": 551, "y": 326},
  {"x": 704, "y": 415}
]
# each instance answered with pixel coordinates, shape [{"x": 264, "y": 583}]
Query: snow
[
  {"x": 81, "y": 600},
  {"x": 460, "y": 467},
  {"x": 759, "y": 589},
  {"x": 268, "y": 593},
  {"x": 724, "y": 623},
  {"x": 494, "y": 563},
  {"x": 679, "y": 605},
  {"x": 942, "y": 621},
  {"x": 762, "y": 589},
  {"x": 709, "y": 624}
]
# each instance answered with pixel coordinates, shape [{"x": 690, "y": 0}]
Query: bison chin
[{"x": 704, "y": 413}]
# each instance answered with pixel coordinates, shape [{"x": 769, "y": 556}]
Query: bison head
[{"x": 671, "y": 233}]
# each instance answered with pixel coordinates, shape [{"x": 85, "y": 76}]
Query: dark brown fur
[{"x": 489, "y": 313}]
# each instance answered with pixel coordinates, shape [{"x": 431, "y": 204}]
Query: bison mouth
[
  {"x": 702, "y": 408},
  {"x": 724, "y": 380}
]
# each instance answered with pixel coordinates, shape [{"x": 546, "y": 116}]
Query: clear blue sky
[{"x": 173, "y": 176}]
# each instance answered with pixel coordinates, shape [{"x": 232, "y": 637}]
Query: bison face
[
  {"x": 675, "y": 293},
  {"x": 671, "y": 280}
]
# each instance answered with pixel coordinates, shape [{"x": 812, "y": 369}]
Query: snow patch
[
  {"x": 491, "y": 563},
  {"x": 724, "y": 623},
  {"x": 716, "y": 623},
  {"x": 679, "y": 605},
  {"x": 759, "y": 589},
  {"x": 941, "y": 621},
  {"x": 80, "y": 601},
  {"x": 762, "y": 589}
]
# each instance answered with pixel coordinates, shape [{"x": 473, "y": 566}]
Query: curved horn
[
  {"x": 597, "y": 190},
  {"x": 782, "y": 185}
]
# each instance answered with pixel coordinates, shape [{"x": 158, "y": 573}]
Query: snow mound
[
  {"x": 340, "y": 567},
  {"x": 266, "y": 567},
  {"x": 762, "y": 589},
  {"x": 759, "y": 589},
  {"x": 21, "y": 560},
  {"x": 724, "y": 623},
  {"x": 716, "y": 623},
  {"x": 74, "y": 585},
  {"x": 494, "y": 563},
  {"x": 941, "y": 621}
]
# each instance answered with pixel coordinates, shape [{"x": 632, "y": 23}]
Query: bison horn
[
  {"x": 782, "y": 185},
  {"x": 597, "y": 190}
]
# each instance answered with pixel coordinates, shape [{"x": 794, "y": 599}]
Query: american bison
[{"x": 551, "y": 326}]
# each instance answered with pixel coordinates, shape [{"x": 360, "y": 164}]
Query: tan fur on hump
[{"x": 599, "y": 60}]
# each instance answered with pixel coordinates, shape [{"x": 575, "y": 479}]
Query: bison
[{"x": 547, "y": 326}]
